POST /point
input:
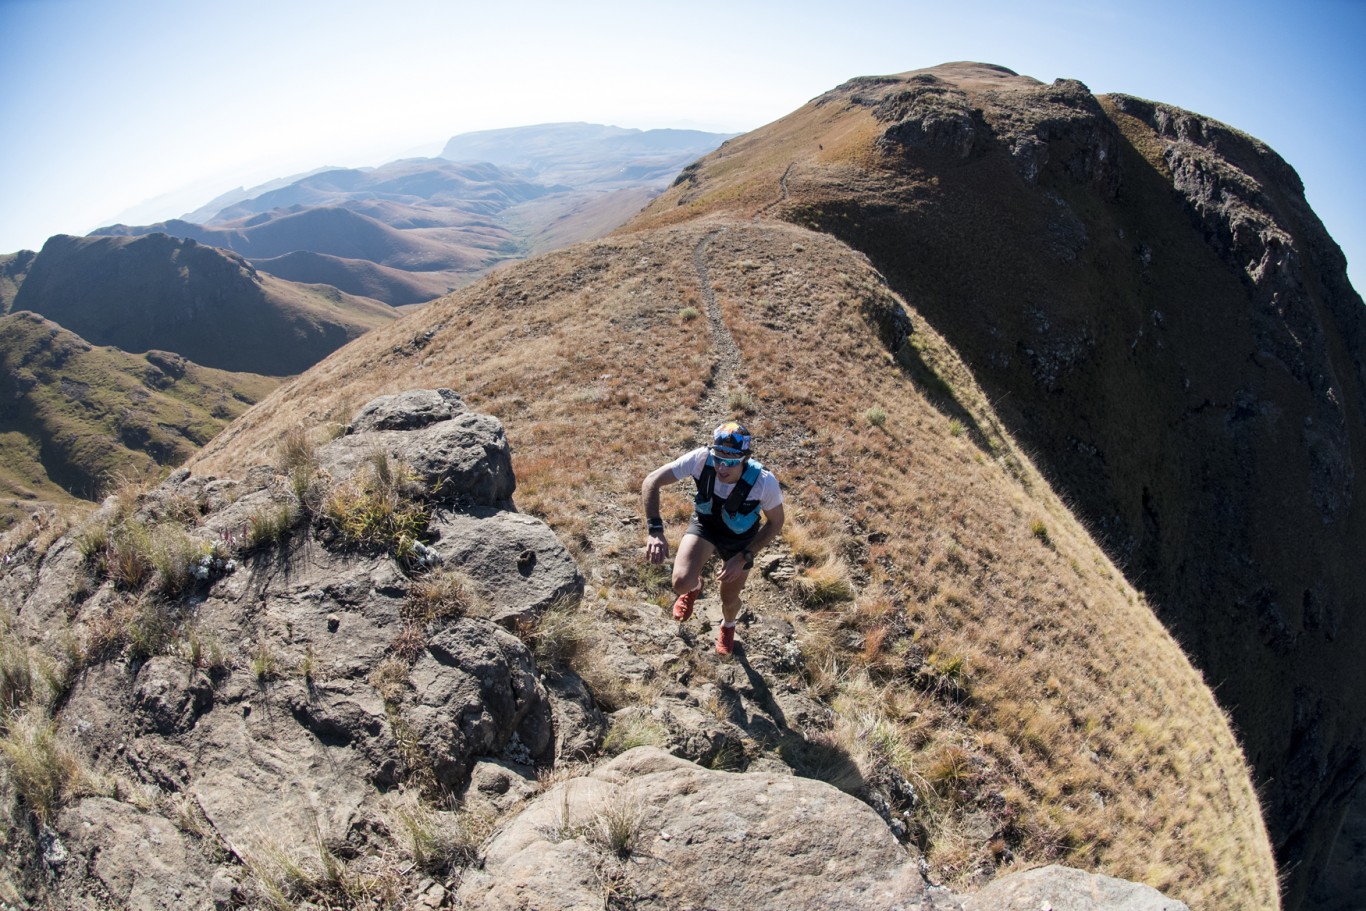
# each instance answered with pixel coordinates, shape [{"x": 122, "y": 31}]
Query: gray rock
[
  {"x": 473, "y": 689},
  {"x": 697, "y": 838},
  {"x": 136, "y": 860},
  {"x": 170, "y": 694},
  {"x": 579, "y": 724},
  {"x": 462, "y": 461},
  {"x": 1066, "y": 889},
  {"x": 409, "y": 410},
  {"x": 516, "y": 560}
]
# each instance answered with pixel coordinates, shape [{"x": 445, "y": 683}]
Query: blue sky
[{"x": 145, "y": 109}]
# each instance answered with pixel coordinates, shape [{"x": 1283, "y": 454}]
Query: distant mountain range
[
  {"x": 267, "y": 281},
  {"x": 412, "y": 230}
]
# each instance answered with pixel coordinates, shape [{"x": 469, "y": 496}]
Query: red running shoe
[
  {"x": 683, "y": 606},
  {"x": 726, "y": 643}
]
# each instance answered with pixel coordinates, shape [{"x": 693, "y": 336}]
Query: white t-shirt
[{"x": 766, "y": 489}]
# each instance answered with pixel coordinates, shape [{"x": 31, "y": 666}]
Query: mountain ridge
[{"x": 1083, "y": 253}]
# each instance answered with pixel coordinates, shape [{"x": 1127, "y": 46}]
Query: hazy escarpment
[
  {"x": 159, "y": 292},
  {"x": 1161, "y": 319}
]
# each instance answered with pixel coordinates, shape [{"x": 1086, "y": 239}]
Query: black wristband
[
  {"x": 655, "y": 525},
  {"x": 749, "y": 558}
]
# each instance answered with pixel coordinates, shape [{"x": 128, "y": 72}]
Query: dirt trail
[
  {"x": 715, "y": 407},
  {"x": 782, "y": 194}
]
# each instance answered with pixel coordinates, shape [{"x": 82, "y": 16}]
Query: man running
[{"x": 732, "y": 490}]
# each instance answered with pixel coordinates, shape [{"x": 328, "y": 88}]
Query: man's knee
[{"x": 685, "y": 582}]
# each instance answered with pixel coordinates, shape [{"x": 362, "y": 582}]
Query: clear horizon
[{"x": 153, "y": 108}]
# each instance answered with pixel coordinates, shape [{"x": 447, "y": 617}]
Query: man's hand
[
  {"x": 734, "y": 568},
  {"x": 657, "y": 549}
]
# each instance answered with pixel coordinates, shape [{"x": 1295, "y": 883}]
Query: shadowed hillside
[
  {"x": 141, "y": 293},
  {"x": 13, "y": 270},
  {"x": 961, "y": 628},
  {"x": 76, "y": 417},
  {"x": 1162, "y": 320}
]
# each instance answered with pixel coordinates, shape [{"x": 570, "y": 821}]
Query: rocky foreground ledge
[{"x": 327, "y": 684}]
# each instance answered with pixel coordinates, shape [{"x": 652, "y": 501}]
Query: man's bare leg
[
  {"x": 730, "y": 596},
  {"x": 693, "y": 554}
]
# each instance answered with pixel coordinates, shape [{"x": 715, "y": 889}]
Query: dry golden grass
[{"x": 1005, "y": 668}]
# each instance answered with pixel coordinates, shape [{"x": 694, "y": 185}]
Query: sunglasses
[{"x": 724, "y": 462}]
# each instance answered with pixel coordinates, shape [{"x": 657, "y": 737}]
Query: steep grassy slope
[
  {"x": 964, "y": 629},
  {"x": 158, "y": 292},
  {"x": 73, "y": 417},
  {"x": 1164, "y": 323}
]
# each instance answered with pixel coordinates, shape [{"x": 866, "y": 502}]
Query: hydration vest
[{"x": 739, "y": 513}]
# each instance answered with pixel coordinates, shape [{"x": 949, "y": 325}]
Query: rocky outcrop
[{"x": 279, "y": 703}]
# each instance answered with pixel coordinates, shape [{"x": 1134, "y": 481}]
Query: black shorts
[{"x": 727, "y": 543}]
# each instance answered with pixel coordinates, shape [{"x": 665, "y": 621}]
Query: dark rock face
[{"x": 1159, "y": 315}]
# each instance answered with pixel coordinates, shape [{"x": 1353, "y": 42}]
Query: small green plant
[
  {"x": 265, "y": 666},
  {"x": 688, "y": 314},
  {"x": 956, "y": 428},
  {"x": 269, "y": 525},
  {"x": 1039, "y": 530},
  {"x": 875, "y": 416}
]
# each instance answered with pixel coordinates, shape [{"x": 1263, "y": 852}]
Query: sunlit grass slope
[{"x": 987, "y": 650}]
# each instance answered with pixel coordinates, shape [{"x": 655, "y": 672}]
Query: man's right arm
[{"x": 656, "y": 547}]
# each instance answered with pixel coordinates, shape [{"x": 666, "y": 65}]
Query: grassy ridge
[
  {"x": 75, "y": 415},
  {"x": 966, "y": 632}
]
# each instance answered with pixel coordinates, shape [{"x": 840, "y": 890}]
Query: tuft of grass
[
  {"x": 688, "y": 314},
  {"x": 824, "y": 585},
  {"x": 560, "y": 634},
  {"x": 437, "y": 841},
  {"x": 268, "y": 526},
  {"x": 390, "y": 678},
  {"x": 616, "y": 827},
  {"x": 956, "y": 428},
  {"x": 377, "y": 512},
  {"x": 150, "y": 631},
  {"x": 634, "y": 728},
  {"x": 875, "y": 416},
  {"x": 265, "y": 665},
  {"x": 441, "y": 594},
  {"x": 43, "y": 772},
  {"x": 740, "y": 401},
  {"x": 1039, "y": 530}
]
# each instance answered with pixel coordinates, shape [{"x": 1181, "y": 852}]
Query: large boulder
[
  {"x": 1067, "y": 889},
  {"x": 675, "y": 835}
]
